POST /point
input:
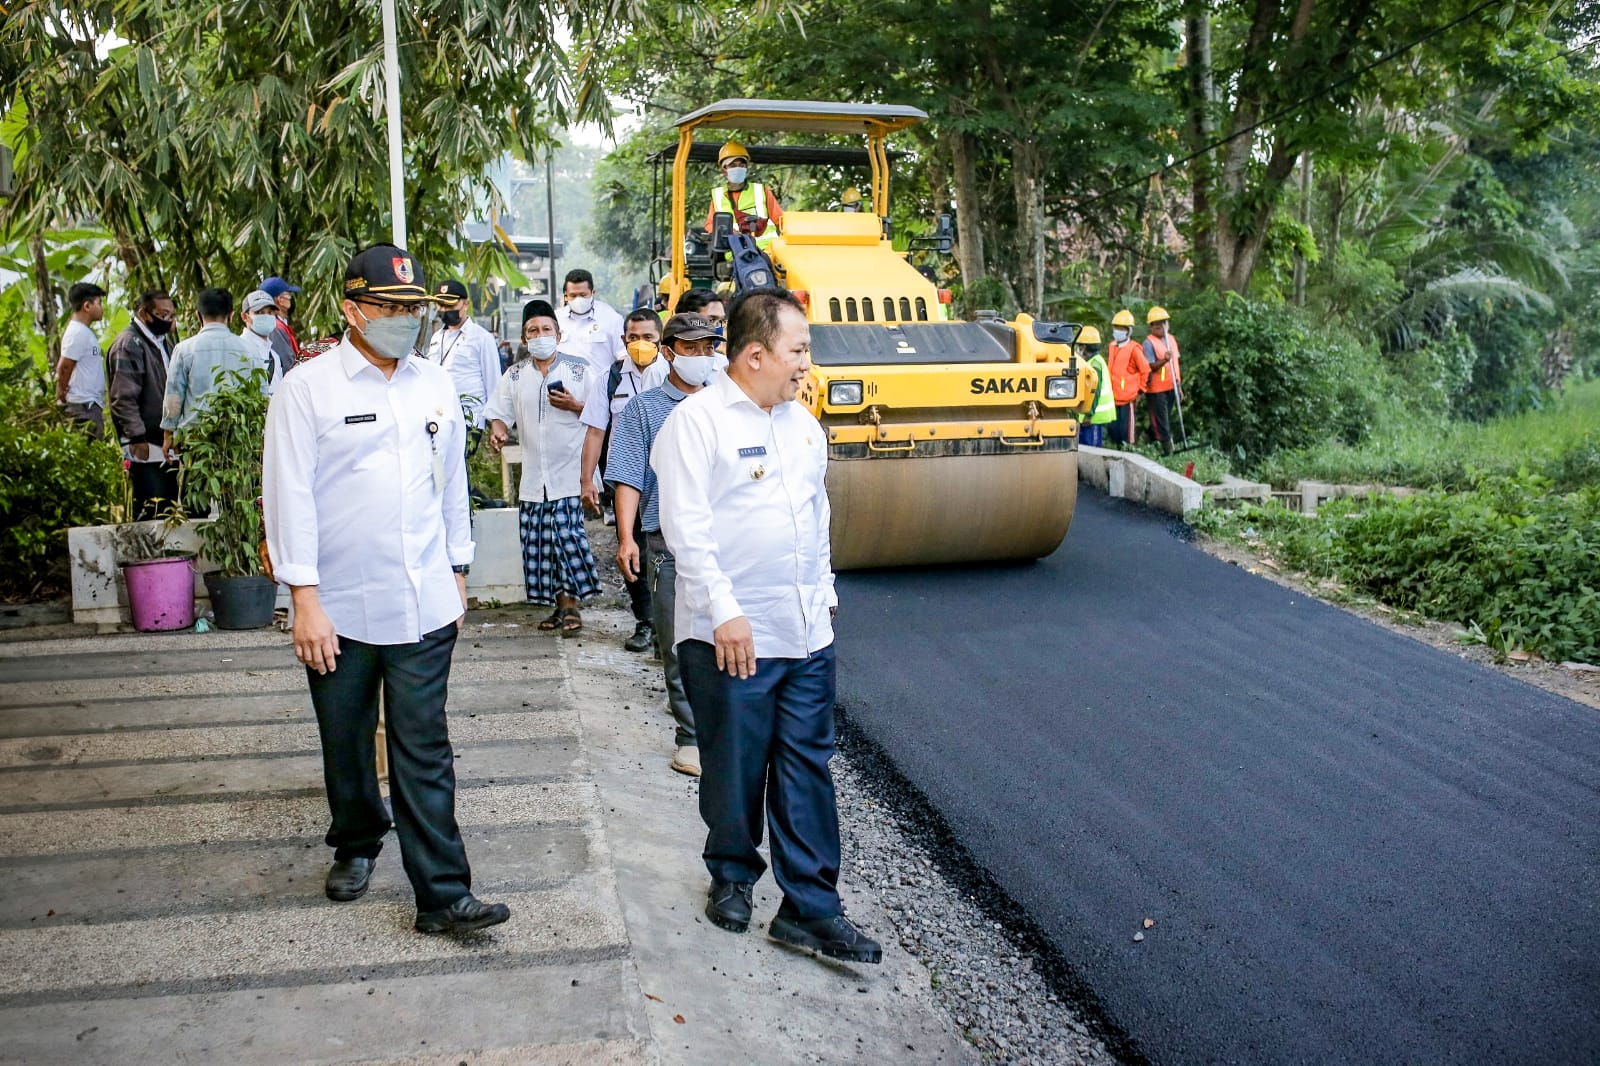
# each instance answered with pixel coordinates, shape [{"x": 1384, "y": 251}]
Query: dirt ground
[{"x": 1580, "y": 685}]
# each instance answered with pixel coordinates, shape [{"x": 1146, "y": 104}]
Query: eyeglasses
[{"x": 390, "y": 310}]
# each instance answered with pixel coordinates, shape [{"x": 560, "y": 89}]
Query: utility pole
[
  {"x": 391, "y": 85},
  {"x": 550, "y": 219}
]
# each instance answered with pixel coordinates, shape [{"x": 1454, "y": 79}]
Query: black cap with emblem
[
  {"x": 385, "y": 272},
  {"x": 449, "y": 291}
]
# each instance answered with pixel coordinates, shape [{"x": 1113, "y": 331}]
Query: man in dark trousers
[
  {"x": 364, "y": 485},
  {"x": 138, "y": 359},
  {"x": 740, "y": 470}
]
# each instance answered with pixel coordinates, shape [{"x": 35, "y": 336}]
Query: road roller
[{"x": 948, "y": 441}]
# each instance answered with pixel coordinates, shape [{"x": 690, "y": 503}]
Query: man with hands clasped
[
  {"x": 740, "y": 469},
  {"x": 364, "y": 492}
]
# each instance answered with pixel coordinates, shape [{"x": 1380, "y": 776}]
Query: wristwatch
[{"x": 463, "y": 569}]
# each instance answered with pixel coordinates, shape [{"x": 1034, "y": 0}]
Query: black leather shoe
[
  {"x": 835, "y": 937},
  {"x": 348, "y": 878},
  {"x": 728, "y": 905},
  {"x": 465, "y": 915},
  {"x": 643, "y": 639}
]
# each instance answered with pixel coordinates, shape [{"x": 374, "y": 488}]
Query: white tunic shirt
[
  {"x": 599, "y": 410},
  {"x": 472, "y": 356},
  {"x": 88, "y": 381},
  {"x": 745, "y": 511},
  {"x": 596, "y": 336},
  {"x": 349, "y": 493},
  {"x": 551, "y": 439}
]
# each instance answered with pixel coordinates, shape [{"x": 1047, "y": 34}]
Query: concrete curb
[{"x": 1131, "y": 476}]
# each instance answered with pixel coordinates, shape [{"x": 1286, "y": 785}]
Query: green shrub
[
  {"x": 1260, "y": 377},
  {"x": 52, "y": 477},
  {"x": 1511, "y": 558},
  {"x": 221, "y": 453}
]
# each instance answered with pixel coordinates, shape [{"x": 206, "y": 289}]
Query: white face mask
[
  {"x": 736, "y": 175},
  {"x": 262, "y": 324},
  {"x": 581, "y": 305},
  {"x": 542, "y": 348},
  {"x": 1119, "y": 334},
  {"x": 694, "y": 370}
]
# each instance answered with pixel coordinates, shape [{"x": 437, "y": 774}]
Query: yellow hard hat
[
  {"x": 1123, "y": 317},
  {"x": 1156, "y": 314},
  {"x": 1088, "y": 335},
  {"x": 852, "y": 195},
  {"x": 732, "y": 150}
]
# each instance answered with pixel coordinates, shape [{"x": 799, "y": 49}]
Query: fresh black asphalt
[{"x": 1356, "y": 848}]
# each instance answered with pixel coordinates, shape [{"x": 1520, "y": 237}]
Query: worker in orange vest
[
  {"x": 1161, "y": 352},
  {"x": 1129, "y": 371}
]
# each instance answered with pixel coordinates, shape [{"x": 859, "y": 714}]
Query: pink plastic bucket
[{"x": 161, "y": 593}]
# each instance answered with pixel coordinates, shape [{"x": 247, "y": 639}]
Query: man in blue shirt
[{"x": 689, "y": 345}]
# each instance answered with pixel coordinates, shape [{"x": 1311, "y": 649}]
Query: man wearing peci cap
[
  {"x": 465, "y": 349},
  {"x": 365, "y": 491},
  {"x": 690, "y": 350},
  {"x": 271, "y": 344},
  {"x": 283, "y": 294}
]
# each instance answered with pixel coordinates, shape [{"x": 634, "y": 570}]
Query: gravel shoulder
[{"x": 1582, "y": 686}]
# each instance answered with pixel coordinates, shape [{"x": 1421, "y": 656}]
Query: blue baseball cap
[{"x": 276, "y": 287}]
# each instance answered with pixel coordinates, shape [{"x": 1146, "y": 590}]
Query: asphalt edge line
[{"x": 957, "y": 865}]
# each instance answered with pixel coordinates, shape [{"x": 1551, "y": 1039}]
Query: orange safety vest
[
  {"x": 1162, "y": 380},
  {"x": 1128, "y": 370}
]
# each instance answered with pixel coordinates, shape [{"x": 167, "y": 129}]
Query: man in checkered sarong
[{"x": 541, "y": 397}]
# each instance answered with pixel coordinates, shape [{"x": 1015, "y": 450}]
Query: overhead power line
[{"x": 1290, "y": 109}]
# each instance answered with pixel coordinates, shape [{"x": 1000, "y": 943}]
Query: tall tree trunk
[
  {"x": 44, "y": 314},
  {"x": 1197, "y": 61},
  {"x": 1305, "y": 220},
  {"x": 1027, "y": 182},
  {"x": 969, "y": 232}
]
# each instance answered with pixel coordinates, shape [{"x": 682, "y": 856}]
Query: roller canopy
[
  {"x": 779, "y": 155},
  {"x": 808, "y": 116},
  {"x": 912, "y": 344}
]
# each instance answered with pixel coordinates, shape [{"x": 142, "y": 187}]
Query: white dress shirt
[
  {"x": 745, "y": 511},
  {"x": 262, "y": 347},
  {"x": 79, "y": 345},
  {"x": 551, "y": 438},
  {"x": 596, "y": 336},
  {"x": 599, "y": 410},
  {"x": 472, "y": 356},
  {"x": 349, "y": 495}
]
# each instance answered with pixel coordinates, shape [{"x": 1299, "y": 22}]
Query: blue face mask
[
  {"x": 736, "y": 175},
  {"x": 262, "y": 324}
]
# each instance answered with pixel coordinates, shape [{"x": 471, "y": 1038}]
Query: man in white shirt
[
  {"x": 262, "y": 333},
  {"x": 609, "y": 393},
  {"x": 365, "y": 506},
  {"x": 591, "y": 329},
  {"x": 81, "y": 370},
  {"x": 740, "y": 468},
  {"x": 468, "y": 351},
  {"x": 540, "y": 398}
]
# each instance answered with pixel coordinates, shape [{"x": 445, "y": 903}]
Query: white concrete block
[{"x": 497, "y": 571}]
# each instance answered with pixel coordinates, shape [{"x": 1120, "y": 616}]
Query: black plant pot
[{"x": 241, "y": 602}]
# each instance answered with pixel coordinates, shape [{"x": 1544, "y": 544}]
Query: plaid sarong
[{"x": 555, "y": 551}]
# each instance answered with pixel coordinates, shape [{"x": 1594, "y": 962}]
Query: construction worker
[
  {"x": 1161, "y": 352},
  {"x": 850, "y": 200},
  {"x": 755, "y": 210},
  {"x": 1103, "y": 411},
  {"x": 1129, "y": 371}
]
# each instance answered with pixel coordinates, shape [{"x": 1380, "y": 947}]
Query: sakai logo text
[{"x": 1004, "y": 385}]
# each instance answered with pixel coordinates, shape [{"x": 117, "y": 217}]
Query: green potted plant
[{"x": 221, "y": 455}]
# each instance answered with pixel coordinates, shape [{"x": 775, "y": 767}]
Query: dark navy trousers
[
  {"x": 422, "y": 774},
  {"x": 765, "y": 742}
]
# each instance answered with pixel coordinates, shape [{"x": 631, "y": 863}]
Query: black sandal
[
  {"x": 571, "y": 622},
  {"x": 553, "y": 623}
]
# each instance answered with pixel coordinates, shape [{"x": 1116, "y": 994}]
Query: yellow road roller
[{"x": 947, "y": 441}]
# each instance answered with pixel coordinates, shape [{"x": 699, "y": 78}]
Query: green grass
[
  {"x": 1560, "y": 442},
  {"x": 1209, "y": 464}
]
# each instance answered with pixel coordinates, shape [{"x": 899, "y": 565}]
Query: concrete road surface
[{"x": 1355, "y": 848}]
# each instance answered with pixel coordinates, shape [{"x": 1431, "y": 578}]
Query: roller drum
[{"x": 919, "y": 510}]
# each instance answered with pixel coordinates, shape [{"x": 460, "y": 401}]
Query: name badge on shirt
[
  {"x": 753, "y": 453},
  {"x": 351, "y": 420}
]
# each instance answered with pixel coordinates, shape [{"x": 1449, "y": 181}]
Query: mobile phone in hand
[{"x": 557, "y": 386}]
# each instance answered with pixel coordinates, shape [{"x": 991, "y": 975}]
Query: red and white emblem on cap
[{"x": 402, "y": 269}]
